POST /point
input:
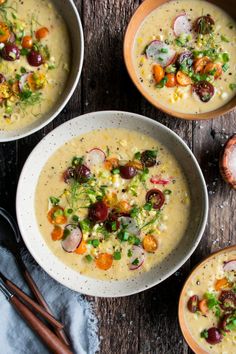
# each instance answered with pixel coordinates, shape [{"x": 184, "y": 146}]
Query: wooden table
[{"x": 146, "y": 322}]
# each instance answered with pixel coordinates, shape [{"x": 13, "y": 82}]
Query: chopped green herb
[
  {"x": 147, "y": 206},
  {"x": 143, "y": 176},
  {"x": 89, "y": 258},
  {"x": 113, "y": 226},
  {"x": 162, "y": 83},
  {"x": 85, "y": 225},
  {"x": 232, "y": 87},
  {"x": 66, "y": 233},
  {"x": 123, "y": 235},
  {"x": 22, "y": 70},
  {"x": 137, "y": 155},
  {"x": 160, "y": 59},
  {"x": 95, "y": 243},
  {"x": 224, "y": 39},
  {"x": 171, "y": 69},
  {"x": 133, "y": 240},
  {"x": 68, "y": 212},
  {"x": 204, "y": 334},
  {"x": 75, "y": 218},
  {"x": 134, "y": 212},
  {"x": 164, "y": 50},
  {"x": 136, "y": 261},
  {"x": 115, "y": 171},
  {"x": 54, "y": 200},
  {"x": 24, "y": 51},
  {"x": 129, "y": 253},
  {"x": 117, "y": 255},
  {"x": 225, "y": 67},
  {"x": 211, "y": 300},
  {"x": 58, "y": 212},
  {"x": 167, "y": 191},
  {"x": 77, "y": 161}
]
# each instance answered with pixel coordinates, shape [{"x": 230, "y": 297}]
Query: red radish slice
[
  {"x": 230, "y": 265},
  {"x": 137, "y": 258},
  {"x": 131, "y": 225},
  {"x": 95, "y": 157},
  {"x": 158, "y": 180},
  {"x": 23, "y": 81},
  {"x": 74, "y": 238},
  {"x": 155, "y": 52},
  {"x": 182, "y": 25}
]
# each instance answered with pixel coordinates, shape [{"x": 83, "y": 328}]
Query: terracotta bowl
[
  {"x": 227, "y": 173},
  {"x": 140, "y": 14},
  {"x": 182, "y": 304}
]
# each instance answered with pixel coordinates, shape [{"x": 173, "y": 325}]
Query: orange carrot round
[
  {"x": 104, "y": 261},
  {"x": 158, "y": 73},
  {"x": 57, "y": 233},
  {"x": 82, "y": 248}
]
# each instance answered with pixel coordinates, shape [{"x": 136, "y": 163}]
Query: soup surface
[
  {"x": 34, "y": 61},
  {"x": 124, "y": 197},
  {"x": 185, "y": 56},
  {"x": 210, "y": 300}
]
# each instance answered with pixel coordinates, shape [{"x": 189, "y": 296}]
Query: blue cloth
[{"x": 68, "y": 306}]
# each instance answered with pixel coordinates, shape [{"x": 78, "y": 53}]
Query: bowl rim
[
  {"x": 128, "y": 63},
  {"x": 170, "y": 272},
  {"x": 69, "y": 95},
  {"x": 184, "y": 329}
]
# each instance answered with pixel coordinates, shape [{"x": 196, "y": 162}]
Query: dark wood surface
[{"x": 146, "y": 322}]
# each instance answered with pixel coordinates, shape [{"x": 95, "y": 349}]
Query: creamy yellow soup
[
  {"x": 208, "y": 282},
  {"x": 148, "y": 229},
  {"x": 173, "y": 29},
  {"x": 34, "y": 61}
]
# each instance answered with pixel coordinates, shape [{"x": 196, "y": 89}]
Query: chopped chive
[
  {"x": 68, "y": 212},
  {"x": 89, "y": 258},
  {"x": 117, "y": 255},
  {"x": 164, "y": 50},
  {"x": 95, "y": 243},
  {"x": 129, "y": 253},
  {"x": 232, "y": 87},
  {"x": 147, "y": 206},
  {"x": 116, "y": 171},
  {"x": 136, "y": 261},
  {"x": 75, "y": 218},
  {"x": 167, "y": 191},
  {"x": 137, "y": 155}
]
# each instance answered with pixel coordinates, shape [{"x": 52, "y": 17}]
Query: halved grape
[
  {"x": 214, "y": 336},
  {"x": 82, "y": 173},
  {"x": 156, "y": 198},
  {"x": 204, "y": 24},
  {"x": 127, "y": 172},
  {"x": 98, "y": 212},
  {"x": 10, "y": 52},
  {"x": 35, "y": 58},
  {"x": 204, "y": 89}
]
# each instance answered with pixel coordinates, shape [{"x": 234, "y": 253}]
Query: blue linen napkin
[{"x": 68, "y": 306}]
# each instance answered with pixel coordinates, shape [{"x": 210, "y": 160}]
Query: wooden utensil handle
[
  {"x": 40, "y": 310},
  {"x": 46, "y": 335},
  {"x": 33, "y": 287}
]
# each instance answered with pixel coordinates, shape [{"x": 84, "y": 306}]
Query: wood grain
[{"x": 146, "y": 322}]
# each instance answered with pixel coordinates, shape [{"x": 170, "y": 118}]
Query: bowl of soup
[
  {"x": 115, "y": 204},
  {"x": 207, "y": 304},
  {"x": 181, "y": 56},
  {"x": 41, "y": 50}
]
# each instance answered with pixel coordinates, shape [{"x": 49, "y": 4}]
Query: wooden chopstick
[
  {"x": 35, "y": 290},
  {"x": 40, "y": 310}
]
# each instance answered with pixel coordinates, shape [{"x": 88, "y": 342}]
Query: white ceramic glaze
[
  {"x": 83, "y": 124},
  {"x": 71, "y": 16}
]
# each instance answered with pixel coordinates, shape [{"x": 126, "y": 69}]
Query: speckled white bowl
[
  {"x": 83, "y": 124},
  {"x": 71, "y": 16}
]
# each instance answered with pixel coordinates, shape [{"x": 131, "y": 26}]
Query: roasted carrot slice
[
  {"x": 171, "y": 80},
  {"x": 158, "y": 73},
  {"x": 41, "y": 33},
  {"x": 82, "y": 248},
  {"x": 221, "y": 284},
  {"x": 4, "y": 32},
  {"x": 57, "y": 233},
  {"x": 111, "y": 163},
  {"x": 123, "y": 206},
  {"x": 214, "y": 69},
  {"x": 203, "y": 306},
  {"x": 183, "y": 79},
  {"x": 136, "y": 164},
  {"x": 150, "y": 243},
  {"x": 104, "y": 261},
  {"x": 200, "y": 64},
  {"x": 56, "y": 216}
]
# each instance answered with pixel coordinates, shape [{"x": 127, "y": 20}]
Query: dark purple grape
[
  {"x": 35, "y": 58},
  {"x": 156, "y": 198},
  {"x": 82, "y": 173},
  {"x": 214, "y": 336},
  {"x": 10, "y": 52},
  {"x": 127, "y": 172},
  {"x": 148, "y": 158},
  {"x": 68, "y": 174},
  {"x": 204, "y": 90},
  {"x": 204, "y": 24},
  {"x": 185, "y": 58},
  {"x": 227, "y": 300},
  {"x": 2, "y": 78},
  {"x": 193, "y": 303},
  {"x": 98, "y": 212},
  {"x": 112, "y": 224}
]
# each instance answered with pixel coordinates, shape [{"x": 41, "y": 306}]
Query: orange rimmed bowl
[
  {"x": 193, "y": 344},
  {"x": 138, "y": 17}
]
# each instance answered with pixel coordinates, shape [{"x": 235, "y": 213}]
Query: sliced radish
[
  {"x": 95, "y": 157},
  {"x": 158, "y": 180},
  {"x": 74, "y": 238},
  {"x": 130, "y": 224},
  {"x": 230, "y": 265},
  {"x": 155, "y": 52},
  {"x": 137, "y": 258},
  {"x": 23, "y": 81},
  {"x": 182, "y": 25}
]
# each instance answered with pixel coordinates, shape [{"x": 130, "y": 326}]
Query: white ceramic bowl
[
  {"x": 73, "y": 22},
  {"x": 83, "y": 124}
]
